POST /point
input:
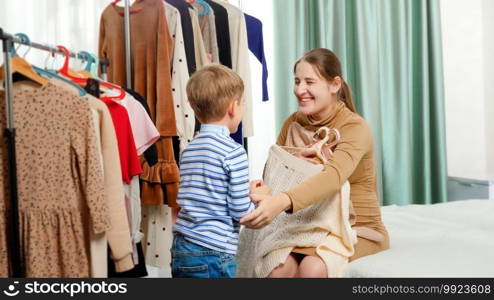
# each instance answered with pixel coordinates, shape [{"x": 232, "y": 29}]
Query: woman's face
[{"x": 314, "y": 93}]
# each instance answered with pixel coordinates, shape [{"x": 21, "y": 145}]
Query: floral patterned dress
[{"x": 60, "y": 182}]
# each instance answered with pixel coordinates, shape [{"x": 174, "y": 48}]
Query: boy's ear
[{"x": 231, "y": 109}]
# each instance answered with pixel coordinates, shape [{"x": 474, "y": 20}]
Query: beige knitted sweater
[{"x": 324, "y": 225}]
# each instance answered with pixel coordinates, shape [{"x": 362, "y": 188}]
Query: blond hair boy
[{"x": 214, "y": 179}]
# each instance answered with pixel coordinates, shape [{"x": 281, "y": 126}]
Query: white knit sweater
[{"x": 324, "y": 225}]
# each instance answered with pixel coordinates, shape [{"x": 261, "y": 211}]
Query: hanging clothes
[
  {"x": 145, "y": 134},
  {"x": 143, "y": 130},
  {"x": 99, "y": 241},
  {"x": 151, "y": 45},
  {"x": 208, "y": 30},
  {"x": 256, "y": 47},
  {"x": 184, "y": 115},
  {"x": 153, "y": 228},
  {"x": 118, "y": 235},
  {"x": 159, "y": 184},
  {"x": 138, "y": 271},
  {"x": 56, "y": 161},
  {"x": 190, "y": 39},
  {"x": 240, "y": 61},
  {"x": 157, "y": 223},
  {"x": 151, "y": 153},
  {"x": 222, "y": 33},
  {"x": 132, "y": 192},
  {"x": 127, "y": 154},
  {"x": 202, "y": 58},
  {"x": 152, "y": 50},
  {"x": 187, "y": 32},
  {"x": 129, "y": 161},
  {"x": 224, "y": 48}
]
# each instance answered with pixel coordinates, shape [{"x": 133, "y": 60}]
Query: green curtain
[{"x": 391, "y": 56}]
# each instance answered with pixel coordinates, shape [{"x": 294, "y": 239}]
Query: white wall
[
  {"x": 71, "y": 23},
  {"x": 488, "y": 24},
  {"x": 468, "y": 35}
]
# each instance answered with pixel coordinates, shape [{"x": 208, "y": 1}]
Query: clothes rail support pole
[
  {"x": 128, "y": 57},
  {"x": 13, "y": 218},
  {"x": 104, "y": 63}
]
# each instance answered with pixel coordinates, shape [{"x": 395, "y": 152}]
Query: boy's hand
[
  {"x": 258, "y": 187},
  {"x": 268, "y": 207}
]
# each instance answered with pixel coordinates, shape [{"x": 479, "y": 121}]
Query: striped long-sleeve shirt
[{"x": 214, "y": 190}]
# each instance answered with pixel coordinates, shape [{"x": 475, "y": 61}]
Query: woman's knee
[
  {"x": 286, "y": 270},
  {"x": 312, "y": 267}
]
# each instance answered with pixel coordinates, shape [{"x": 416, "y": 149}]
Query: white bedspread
[{"x": 454, "y": 239}]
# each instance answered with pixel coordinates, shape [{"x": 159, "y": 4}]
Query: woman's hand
[
  {"x": 309, "y": 155},
  {"x": 268, "y": 207}
]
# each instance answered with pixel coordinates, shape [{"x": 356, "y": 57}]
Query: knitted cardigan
[{"x": 324, "y": 225}]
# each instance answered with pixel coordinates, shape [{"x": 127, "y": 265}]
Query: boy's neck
[{"x": 224, "y": 122}]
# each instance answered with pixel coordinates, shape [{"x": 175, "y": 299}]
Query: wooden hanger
[
  {"x": 83, "y": 74},
  {"x": 21, "y": 67},
  {"x": 321, "y": 148}
]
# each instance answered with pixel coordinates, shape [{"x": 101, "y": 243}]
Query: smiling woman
[
  {"x": 325, "y": 100},
  {"x": 313, "y": 92},
  {"x": 318, "y": 76}
]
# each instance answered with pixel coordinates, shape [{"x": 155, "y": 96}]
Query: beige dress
[
  {"x": 118, "y": 236},
  {"x": 60, "y": 182}
]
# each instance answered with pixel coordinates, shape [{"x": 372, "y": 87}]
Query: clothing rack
[
  {"x": 8, "y": 41},
  {"x": 13, "y": 218},
  {"x": 103, "y": 62},
  {"x": 128, "y": 61}
]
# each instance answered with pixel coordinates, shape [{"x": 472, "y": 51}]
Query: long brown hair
[{"x": 329, "y": 66}]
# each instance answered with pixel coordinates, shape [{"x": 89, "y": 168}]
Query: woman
[{"x": 325, "y": 99}]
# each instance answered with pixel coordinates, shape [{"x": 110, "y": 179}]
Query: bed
[{"x": 454, "y": 239}]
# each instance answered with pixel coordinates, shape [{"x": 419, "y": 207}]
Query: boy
[{"x": 214, "y": 179}]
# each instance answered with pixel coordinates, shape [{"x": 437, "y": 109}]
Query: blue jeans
[{"x": 195, "y": 261}]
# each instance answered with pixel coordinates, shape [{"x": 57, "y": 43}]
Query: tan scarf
[{"x": 312, "y": 146}]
